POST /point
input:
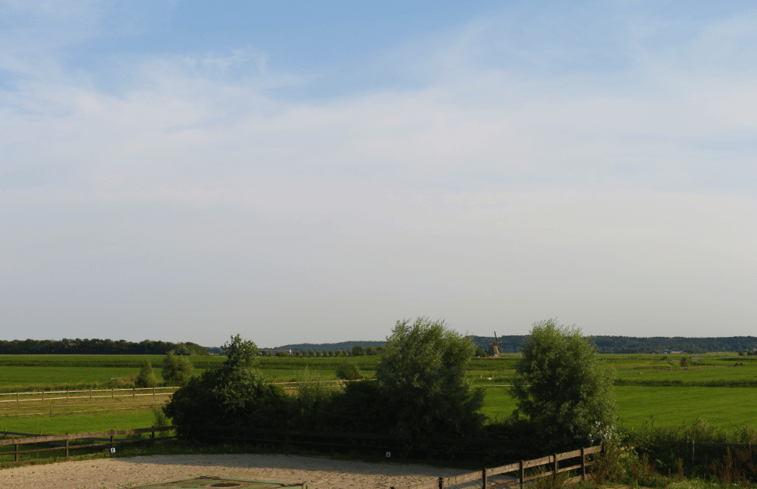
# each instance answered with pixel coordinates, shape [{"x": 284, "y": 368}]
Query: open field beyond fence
[{"x": 652, "y": 388}]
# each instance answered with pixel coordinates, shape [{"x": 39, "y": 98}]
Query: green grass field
[
  {"x": 722, "y": 407},
  {"x": 644, "y": 401}
]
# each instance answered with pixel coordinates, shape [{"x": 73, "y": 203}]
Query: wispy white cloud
[{"x": 491, "y": 194}]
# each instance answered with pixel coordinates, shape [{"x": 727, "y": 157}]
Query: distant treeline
[
  {"x": 344, "y": 345},
  {"x": 632, "y": 344},
  {"x": 605, "y": 344},
  {"x": 97, "y": 347}
]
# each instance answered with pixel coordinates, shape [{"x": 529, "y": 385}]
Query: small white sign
[
  {"x": 112, "y": 450},
  {"x": 388, "y": 454}
]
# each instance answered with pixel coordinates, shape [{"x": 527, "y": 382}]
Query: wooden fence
[
  {"x": 19, "y": 397},
  {"x": 64, "y": 441},
  {"x": 545, "y": 467},
  {"x": 552, "y": 462}
]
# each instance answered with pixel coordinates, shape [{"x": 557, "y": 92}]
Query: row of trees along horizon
[{"x": 509, "y": 344}]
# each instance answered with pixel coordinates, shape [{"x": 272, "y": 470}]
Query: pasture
[{"x": 650, "y": 388}]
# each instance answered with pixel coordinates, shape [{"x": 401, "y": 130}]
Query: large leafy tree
[
  {"x": 421, "y": 376},
  {"x": 235, "y": 394},
  {"x": 563, "y": 387}
]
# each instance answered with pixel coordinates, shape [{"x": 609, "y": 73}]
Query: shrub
[
  {"x": 360, "y": 407},
  {"x": 685, "y": 361},
  {"x": 348, "y": 371},
  {"x": 422, "y": 378},
  {"x": 176, "y": 369},
  {"x": 563, "y": 387},
  {"x": 554, "y": 481},
  {"x": 736, "y": 468},
  {"x": 312, "y": 400},
  {"x": 146, "y": 377},
  {"x": 606, "y": 466},
  {"x": 161, "y": 421}
]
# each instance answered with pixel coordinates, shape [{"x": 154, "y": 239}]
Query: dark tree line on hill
[
  {"x": 97, "y": 347},
  {"x": 631, "y": 344},
  {"x": 605, "y": 344}
]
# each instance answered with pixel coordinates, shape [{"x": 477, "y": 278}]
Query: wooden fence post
[
  {"x": 483, "y": 477},
  {"x": 554, "y": 469},
  {"x": 133, "y": 392},
  {"x": 441, "y": 482},
  {"x": 66, "y": 447},
  {"x": 16, "y": 397},
  {"x": 522, "y": 474},
  {"x": 583, "y": 465},
  {"x": 153, "y": 391},
  {"x": 16, "y": 452},
  {"x": 692, "y": 451},
  {"x": 90, "y": 394},
  {"x": 112, "y": 443},
  {"x": 43, "y": 396}
]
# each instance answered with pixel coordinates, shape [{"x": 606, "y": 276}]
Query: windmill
[{"x": 493, "y": 350}]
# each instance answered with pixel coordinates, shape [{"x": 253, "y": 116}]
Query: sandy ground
[{"x": 320, "y": 473}]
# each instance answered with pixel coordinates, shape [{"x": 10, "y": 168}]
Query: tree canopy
[
  {"x": 422, "y": 377},
  {"x": 562, "y": 386}
]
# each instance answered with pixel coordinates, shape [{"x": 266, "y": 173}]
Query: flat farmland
[
  {"x": 79, "y": 416},
  {"x": 722, "y": 407},
  {"x": 42, "y": 376},
  {"x": 650, "y": 388}
]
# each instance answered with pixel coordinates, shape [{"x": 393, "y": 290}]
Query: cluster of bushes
[
  {"x": 420, "y": 394},
  {"x": 661, "y": 457},
  {"x": 176, "y": 370}
]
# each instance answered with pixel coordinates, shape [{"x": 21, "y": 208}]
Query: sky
[{"x": 312, "y": 172}]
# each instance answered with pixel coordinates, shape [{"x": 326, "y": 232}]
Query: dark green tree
[
  {"x": 176, "y": 369},
  {"x": 146, "y": 377},
  {"x": 422, "y": 378},
  {"x": 235, "y": 394},
  {"x": 563, "y": 387}
]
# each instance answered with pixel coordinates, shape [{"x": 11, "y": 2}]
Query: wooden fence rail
[
  {"x": 17, "y": 443},
  {"x": 519, "y": 468},
  {"x": 17, "y": 398}
]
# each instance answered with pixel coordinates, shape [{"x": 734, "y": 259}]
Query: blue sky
[{"x": 315, "y": 171}]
